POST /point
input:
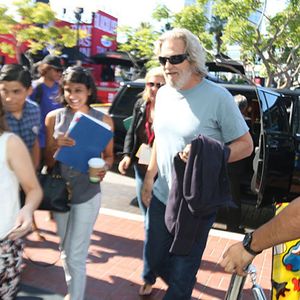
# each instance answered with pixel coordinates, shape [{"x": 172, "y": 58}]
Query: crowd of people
[{"x": 180, "y": 126}]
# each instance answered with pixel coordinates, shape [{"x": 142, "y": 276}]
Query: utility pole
[{"x": 78, "y": 12}]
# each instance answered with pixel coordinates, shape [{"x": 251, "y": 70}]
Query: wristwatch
[{"x": 247, "y": 244}]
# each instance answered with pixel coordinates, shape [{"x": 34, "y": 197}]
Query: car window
[
  {"x": 126, "y": 100},
  {"x": 275, "y": 111}
]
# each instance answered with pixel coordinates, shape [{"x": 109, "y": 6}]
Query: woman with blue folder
[{"x": 75, "y": 227}]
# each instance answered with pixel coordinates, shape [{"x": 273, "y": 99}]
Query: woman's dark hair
[
  {"x": 81, "y": 75},
  {"x": 3, "y": 126},
  {"x": 16, "y": 72}
]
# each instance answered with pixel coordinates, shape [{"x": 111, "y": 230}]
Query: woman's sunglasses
[
  {"x": 152, "y": 84},
  {"x": 174, "y": 59}
]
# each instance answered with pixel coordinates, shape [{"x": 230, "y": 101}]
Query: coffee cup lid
[{"x": 96, "y": 162}]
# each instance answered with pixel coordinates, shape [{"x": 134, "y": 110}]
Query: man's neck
[
  {"x": 18, "y": 114},
  {"x": 194, "y": 80},
  {"x": 48, "y": 82}
]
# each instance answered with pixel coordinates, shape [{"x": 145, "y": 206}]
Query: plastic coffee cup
[{"x": 96, "y": 164}]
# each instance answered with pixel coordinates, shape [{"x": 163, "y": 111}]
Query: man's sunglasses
[
  {"x": 174, "y": 59},
  {"x": 152, "y": 84}
]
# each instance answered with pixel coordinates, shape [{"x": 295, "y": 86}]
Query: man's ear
[{"x": 29, "y": 91}]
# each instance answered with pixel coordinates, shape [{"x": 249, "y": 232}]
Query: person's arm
[
  {"x": 149, "y": 177},
  {"x": 129, "y": 141},
  {"x": 51, "y": 143},
  {"x": 282, "y": 228},
  {"x": 241, "y": 148},
  {"x": 36, "y": 154},
  {"x": 129, "y": 138},
  {"x": 20, "y": 162},
  {"x": 108, "y": 153}
]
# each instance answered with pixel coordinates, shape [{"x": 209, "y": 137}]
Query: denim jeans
[
  {"x": 139, "y": 179},
  {"x": 178, "y": 271},
  {"x": 75, "y": 228}
]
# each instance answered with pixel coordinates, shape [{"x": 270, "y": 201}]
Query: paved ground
[{"x": 115, "y": 256}]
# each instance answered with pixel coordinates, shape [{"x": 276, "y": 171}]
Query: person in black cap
[{"x": 46, "y": 91}]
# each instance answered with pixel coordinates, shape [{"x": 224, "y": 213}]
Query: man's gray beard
[{"x": 182, "y": 81}]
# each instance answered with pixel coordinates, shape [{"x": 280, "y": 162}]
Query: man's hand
[
  {"x": 147, "y": 191},
  {"x": 236, "y": 259},
  {"x": 184, "y": 155}
]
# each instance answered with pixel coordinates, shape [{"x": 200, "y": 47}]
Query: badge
[{"x": 144, "y": 154}]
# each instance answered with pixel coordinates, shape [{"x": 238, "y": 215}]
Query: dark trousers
[{"x": 178, "y": 271}]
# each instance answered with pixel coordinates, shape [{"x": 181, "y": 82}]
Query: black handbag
[{"x": 56, "y": 191}]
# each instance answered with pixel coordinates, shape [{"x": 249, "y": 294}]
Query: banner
[{"x": 286, "y": 268}]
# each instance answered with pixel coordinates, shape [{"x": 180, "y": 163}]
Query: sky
[{"x": 128, "y": 12}]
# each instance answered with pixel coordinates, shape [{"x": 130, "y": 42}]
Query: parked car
[{"x": 274, "y": 117}]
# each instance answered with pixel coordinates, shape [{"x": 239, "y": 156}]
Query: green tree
[
  {"x": 191, "y": 17},
  {"x": 32, "y": 24},
  {"x": 274, "y": 42},
  {"x": 140, "y": 43}
]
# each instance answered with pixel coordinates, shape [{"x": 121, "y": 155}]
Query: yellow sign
[{"x": 286, "y": 268}]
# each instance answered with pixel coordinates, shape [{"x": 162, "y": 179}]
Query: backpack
[{"x": 39, "y": 93}]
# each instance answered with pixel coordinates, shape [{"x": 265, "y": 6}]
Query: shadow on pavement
[{"x": 33, "y": 293}]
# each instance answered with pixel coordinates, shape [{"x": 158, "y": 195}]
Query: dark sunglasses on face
[
  {"x": 174, "y": 59},
  {"x": 152, "y": 84},
  {"x": 58, "y": 70}
]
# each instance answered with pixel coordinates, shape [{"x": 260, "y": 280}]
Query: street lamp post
[{"x": 78, "y": 12}]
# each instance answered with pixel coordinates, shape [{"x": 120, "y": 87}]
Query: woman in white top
[{"x": 15, "y": 168}]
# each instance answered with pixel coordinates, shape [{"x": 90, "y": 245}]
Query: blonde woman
[{"x": 141, "y": 132}]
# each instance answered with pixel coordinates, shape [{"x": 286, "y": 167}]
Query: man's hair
[
  {"x": 16, "y": 72},
  {"x": 193, "y": 47},
  {"x": 241, "y": 101}
]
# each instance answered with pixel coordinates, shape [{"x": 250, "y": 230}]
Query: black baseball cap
[{"x": 53, "y": 61}]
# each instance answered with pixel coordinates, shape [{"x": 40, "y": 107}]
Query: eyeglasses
[
  {"x": 174, "y": 59},
  {"x": 152, "y": 84},
  {"x": 58, "y": 70}
]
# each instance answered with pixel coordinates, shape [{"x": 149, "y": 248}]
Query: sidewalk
[{"x": 115, "y": 262}]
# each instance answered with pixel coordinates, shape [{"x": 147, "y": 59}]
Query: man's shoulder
[
  {"x": 31, "y": 105},
  {"x": 213, "y": 86}
]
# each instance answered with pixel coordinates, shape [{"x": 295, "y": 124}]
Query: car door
[
  {"x": 122, "y": 108},
  {"x": 276, "y": 152}
]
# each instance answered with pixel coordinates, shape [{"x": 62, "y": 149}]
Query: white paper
[{"x": 144, "y": 154}]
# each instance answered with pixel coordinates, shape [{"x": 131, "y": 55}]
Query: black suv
[{"x": 275, "y": 129}]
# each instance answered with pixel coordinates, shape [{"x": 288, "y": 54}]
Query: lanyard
[{"x": 148, "y": 125}]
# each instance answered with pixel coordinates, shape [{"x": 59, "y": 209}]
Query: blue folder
[{"x": 91, "y": 137}]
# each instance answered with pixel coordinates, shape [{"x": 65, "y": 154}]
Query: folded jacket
[{"x": 199, "y": 188}]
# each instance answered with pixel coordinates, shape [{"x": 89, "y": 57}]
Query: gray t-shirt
[{"x": 180, "y": 116}]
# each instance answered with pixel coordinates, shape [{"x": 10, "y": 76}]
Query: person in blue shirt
[
  {"x": 46, "y": 91},
  {"x": 186, "y": 106},
  {"x": 21, "y": 114}
]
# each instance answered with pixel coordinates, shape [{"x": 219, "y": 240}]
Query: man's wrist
[
  {"x": 248, "y": 244},
  {"x": 254, "y": 246}
]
